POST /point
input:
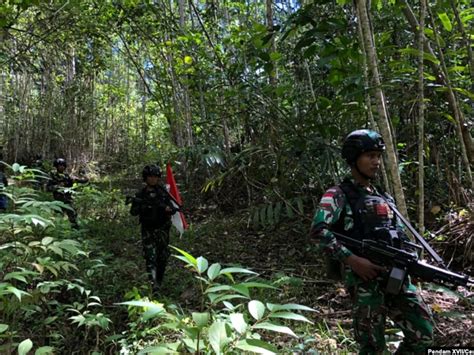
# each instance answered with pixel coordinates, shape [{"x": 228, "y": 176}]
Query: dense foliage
[
  {"x": 250, "y": 101},
  {"x": 260, "y": 91}
]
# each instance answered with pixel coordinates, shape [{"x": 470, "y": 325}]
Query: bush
[{"x": 229, "y": 319}]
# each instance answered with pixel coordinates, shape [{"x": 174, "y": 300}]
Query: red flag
[{"x": 177, "y": 219}]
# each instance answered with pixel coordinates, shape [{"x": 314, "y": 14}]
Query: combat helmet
[
  {"x": 59, "y": 161},
  {"x": 361, "y": 141},
  {"x": 151, "y": 170}
]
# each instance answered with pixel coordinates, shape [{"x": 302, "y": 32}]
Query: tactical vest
[
  {"x": 371, "y": 214},
  {"x": 152, "y": 211},
  {"x": 372, "y": 218}
]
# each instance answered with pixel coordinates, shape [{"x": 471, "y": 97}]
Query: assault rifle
[
  {"x": 386, "y": 249},
  {"x": 177, "y": 208},
  {"x": 401, "y": 263}
]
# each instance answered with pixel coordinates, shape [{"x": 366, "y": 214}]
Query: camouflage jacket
[
  {"x": 150, "y": 205},
  {"x": 332, "y": 205},
  {"x": 57, "y": 182}
]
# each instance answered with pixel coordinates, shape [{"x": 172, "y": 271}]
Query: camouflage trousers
[
  {"x": 156, "y": 252},
  {"x": 370, "y": 307},
  {"x": 70, "y": 212}
]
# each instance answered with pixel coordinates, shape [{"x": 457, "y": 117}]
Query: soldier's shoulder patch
[{"x": 332, "y": 198}]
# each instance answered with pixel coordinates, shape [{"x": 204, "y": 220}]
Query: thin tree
[
  {"x": 383, "y": 120},
  {"x": 458, "y": 117},
  {"x": 441, "y": 74},
  {"x": 421, "y": 121}
]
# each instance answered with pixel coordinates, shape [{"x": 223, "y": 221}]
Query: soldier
[
  {"x": 59, "y": 180},
  {"x": 3, "y": 184},
  {"x": 337, "y": 212},
  {"x": 153, "y": 206}
]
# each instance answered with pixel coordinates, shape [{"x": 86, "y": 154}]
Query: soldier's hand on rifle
[{"x": 363, "y": 267}]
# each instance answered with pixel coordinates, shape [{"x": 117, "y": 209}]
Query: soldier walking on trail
[
  {"x": 356, "y": 209},
  {"x": 59, "y": 181},
  {"x": 153, "y": 206}
]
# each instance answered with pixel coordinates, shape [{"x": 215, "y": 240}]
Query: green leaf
[
  {"x": 465, "y": 92},
  {"x": 310, "y": 51},
  {"x": 238, "y": 322},
  {"x": 163, "y": 349},
  {"x": 242, "y": 290},
  {"x": 258, "y": 285},
  {"x": 256, "y": 309},
  {"x": 416, "y": 53},
  {"x": 445, "y": 21},
  {"x": 18, "y": 293},
  {"x": 275, "y": 328},
  {"x": 46, "y": 240},
  {"x": 155, "y": 307},
  {"x": 18, "y": 275},
  {"x": 218, "y": 288},
  {"x": 274, "y": 56},
  {"x": 202, "y": 264},
  {"x": 449, "y": 118},
  {"x": 201, "y": 319},
  {"x": 24, "y": 347},
  {"x": 3, "y": 328},
  {"x": 218, "y": 336},
  {"x": 256, "y": 346},
  {"x": 290, "y": 315},
  {"x": 233, "y": 270},
  {"x": 56, "y": 249},
  {"x": 229, "y": 306},
  {"x": 299, "y": 203},
  {"x": 289, "y": 306},
  {"x": 188, "y": 60},
  {"x": 213, "y": 271},
  {"x": 187, "y": 257},
  {"x": 216, "y": 299},
  {"x": 44, "y": 350},
  {"x": 16, "y": 167}
]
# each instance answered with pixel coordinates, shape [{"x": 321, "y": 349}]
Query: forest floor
[{"x": 283, "y": 254}]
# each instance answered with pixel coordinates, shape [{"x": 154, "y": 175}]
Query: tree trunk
[
  {"x": 457, "y": 109},
  {"x": 442, "y": 77},
  {"x": 383, "y": 120},
  {"x": 368, "y": 102},
  {"x": 421, "y": 122},
  {"x": 269, "y": 19},
  {"x": 466, "y": 39}
]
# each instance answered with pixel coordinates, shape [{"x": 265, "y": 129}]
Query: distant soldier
[
  {"x": 153, "y": 206},
  {"x": 3, "y": 184},
  {"x": 59, "y": 181},
  {"x": 39, "y": 177}
]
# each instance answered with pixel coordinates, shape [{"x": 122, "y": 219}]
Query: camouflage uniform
[
  {"x": 58, "y": 181},
  {"x": 370, "y": 304},
  {"x": 150, "y": 204}
]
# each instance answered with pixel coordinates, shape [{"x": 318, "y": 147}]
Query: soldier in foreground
[
  {"x": 352, "y": 209},
  {"x": 153, "y": 206}
]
